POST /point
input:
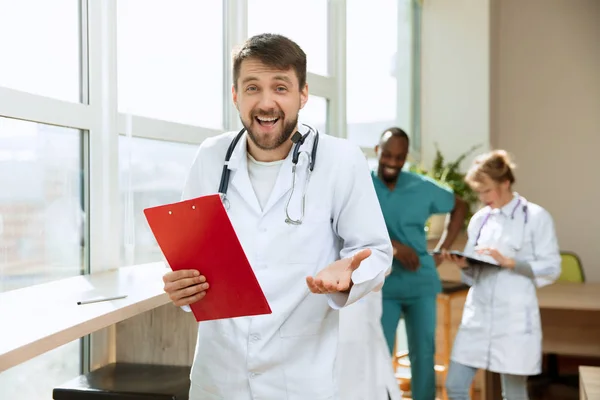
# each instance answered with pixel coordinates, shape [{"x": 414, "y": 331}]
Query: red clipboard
[{"x": 197, "y": 234}]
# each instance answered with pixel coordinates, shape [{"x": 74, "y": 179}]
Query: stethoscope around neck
[
  {"x": 298, "y": 139},
  {"x": 512, "y": 216}
]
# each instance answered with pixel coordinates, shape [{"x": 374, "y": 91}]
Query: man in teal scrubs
[{"x": 410, "y": 291}]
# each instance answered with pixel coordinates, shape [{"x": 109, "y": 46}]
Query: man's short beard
[
  {"x": 386, "y": 178},
  {"x": 288, "y": 129}
]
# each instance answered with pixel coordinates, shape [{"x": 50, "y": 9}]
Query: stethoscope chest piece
[{"x": 224, "y": 200}]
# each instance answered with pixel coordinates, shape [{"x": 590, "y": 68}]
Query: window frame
[
  {"x": 98, "y": 118},
  {"x": 415, "y": 80}
]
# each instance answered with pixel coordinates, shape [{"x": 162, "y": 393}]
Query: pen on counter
[{"x": 100, "y": 299}]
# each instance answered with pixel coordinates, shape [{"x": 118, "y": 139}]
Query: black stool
[{"x": 122, "y": 381}]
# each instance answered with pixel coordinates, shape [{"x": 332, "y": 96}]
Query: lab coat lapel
[
  {"x": 283, "y": 184},
  {"x": 238, "y": 164}
]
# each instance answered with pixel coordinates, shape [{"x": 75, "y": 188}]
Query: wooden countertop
[
  {"x": 40, "y": 318},
  {"x": 570, "y": 296},
  {"x": 589, "y": 383}
]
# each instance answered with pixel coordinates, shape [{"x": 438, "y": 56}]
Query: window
[
  {"x": 41, "y": 234},
  {"x": 40, "y": 42},
  {"x": 151, "y": 173},
  {"x": 170, "y": 60},
  {"x": 41, "y": 207},
  {"x": 374, "y": 61},
  {"x": 314, "y": 113},
  {"x": 308, "y": 26},
  {"x": 35, "y": 379},
  {"x": 379, "y": 80}
]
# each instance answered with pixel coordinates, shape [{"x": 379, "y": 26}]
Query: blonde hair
[{"x": 495, "y": 165}]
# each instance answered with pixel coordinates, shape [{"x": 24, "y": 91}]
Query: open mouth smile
[{"x": 266, "y": 121}]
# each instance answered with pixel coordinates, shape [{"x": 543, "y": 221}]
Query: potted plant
[{"x": 448, "y": 174}]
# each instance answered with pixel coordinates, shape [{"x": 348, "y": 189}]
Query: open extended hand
[
  {"x": 337, "y": 277},
  {"x": 185, "y": 286}
]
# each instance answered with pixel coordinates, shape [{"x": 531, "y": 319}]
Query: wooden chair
[{"x": 400, "y": 361}]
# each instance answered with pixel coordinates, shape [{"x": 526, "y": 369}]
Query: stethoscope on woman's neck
[
  {"x": 298, "y": 139},
  {"x": 520, "y": 201}
]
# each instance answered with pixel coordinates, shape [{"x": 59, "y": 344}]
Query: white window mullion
[
  {"x": 156, "y": 129},
  {"x": 235, "y": 33},
  {"x": 104, "y": 190},
  {"x": 319, "y": 85},
  {"x": 337, "y": 67},
  {"x": 31, "y": 107},
  {"x": 415, "y": 83},
  {"x": 103, "y": 157}
]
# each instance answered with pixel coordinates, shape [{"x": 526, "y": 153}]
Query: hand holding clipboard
[
  {"x": 463, "y": 260},
  {"x": 202, "y": 248}
]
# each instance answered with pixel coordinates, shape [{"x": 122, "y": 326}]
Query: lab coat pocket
[
  {"x": 519, "y": 321},
  {"x": 294, "y": 330},
  {"x": 305, "y": 241},
  {"x": 313, "y": 388}
]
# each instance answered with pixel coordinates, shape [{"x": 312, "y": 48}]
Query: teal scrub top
[{"x": 406, "y": 210}]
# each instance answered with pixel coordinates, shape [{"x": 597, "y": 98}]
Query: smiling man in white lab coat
[{"x": 337, "y": 255}]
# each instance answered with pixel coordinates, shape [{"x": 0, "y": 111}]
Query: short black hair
[
  {"x": 396, "y": 132},
  {"x": 273, "y": 50}
]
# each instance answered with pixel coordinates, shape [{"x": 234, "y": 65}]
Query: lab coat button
[
  {"x": 254, "y": 337},
  {"x": 254, "y": 374}
]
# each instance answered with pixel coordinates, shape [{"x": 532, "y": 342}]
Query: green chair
[{"x": 572, "y": 270}]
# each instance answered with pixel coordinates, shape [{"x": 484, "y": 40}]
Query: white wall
[
  {"x": 546, "y": 111},
  {"x": 455, "y": 77},
  {"x": 523, "y": 76}
]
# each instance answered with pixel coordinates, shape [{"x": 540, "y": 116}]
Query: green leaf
[{"x": 448, "y": 174}]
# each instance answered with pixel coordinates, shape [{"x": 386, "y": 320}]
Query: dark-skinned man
[{"x": 410, "y": 291}]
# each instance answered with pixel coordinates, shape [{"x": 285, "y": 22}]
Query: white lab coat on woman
[
  {"x": 501, "y": 328},
  {"x": 289, "y": 354},
  {"x": 364, "y": 360}
]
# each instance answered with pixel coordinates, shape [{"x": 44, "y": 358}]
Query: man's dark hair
[
  {"x": 396, "y": 132},
  {"x": 273, "y": 50}
]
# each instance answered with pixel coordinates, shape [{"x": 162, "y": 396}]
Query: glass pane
[
  {"x": 308, "y": 27},
  {"x": 372, "y": 67},
  {"x": 151, "y": 172},
  {"x": 40, "y": 47},
  {"x": 314, "y": 113},
  {"x": 41, "y": 207},
  {"x": 35, "y": 379},
  {"x": 404, "y": 67},
  {"x": 170, "y": 60}
]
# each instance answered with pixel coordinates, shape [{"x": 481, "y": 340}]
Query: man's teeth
[{"x": 263, "y": 119}]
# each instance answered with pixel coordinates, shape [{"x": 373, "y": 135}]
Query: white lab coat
[
  {"x": 501, "y": 329},
  {"x": 364, "y": 361},
  {"x": 289, "y": 354}
]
